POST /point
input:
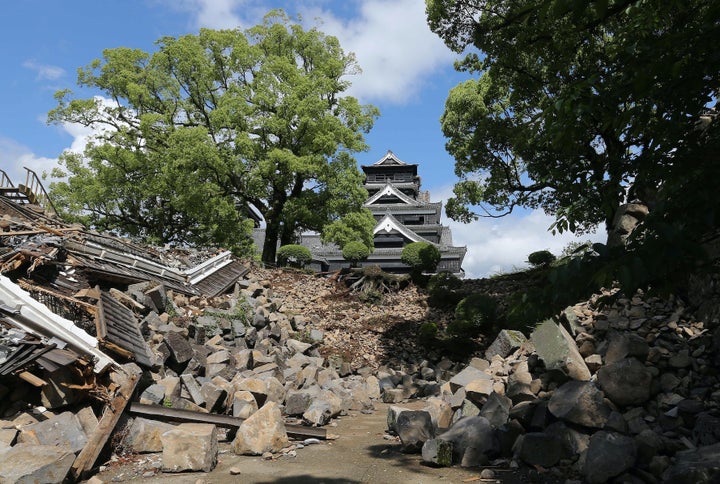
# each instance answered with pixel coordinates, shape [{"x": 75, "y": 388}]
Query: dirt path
[{"x": 359, "y": 454}]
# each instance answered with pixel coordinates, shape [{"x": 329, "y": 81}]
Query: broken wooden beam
[
  {"x": 128, "y": 380},
  {"x": 32, "y": 379},
  {"x": 225, "y": 421}
]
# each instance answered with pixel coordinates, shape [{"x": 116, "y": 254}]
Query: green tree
[
  {"x": 210, "y": 124},
  {"x": 580, "y": 105},
  {"x": 355, "y": 252},
  {"x": 421, "y": 256},
  {"x": 293, "y": 255}
]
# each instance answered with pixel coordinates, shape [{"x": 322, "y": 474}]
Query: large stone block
[
  {"x": 244, "y": 404},
  {"x": 414, "y": 428},
  {"x": 467, "y": 375},
  {"x": 144, "y": 435},
  {"x": 190, "y": 447},
  {"x": 263, "y": 432},
  {"x": 180, "y": 348},
  {"x": 61, "y": 430},
  {"x": 473, "y": 441},
  {"x": 506, "y": 342},
  {"x": 438, "y": 452},
  {"x": 581, "y": 403},
  {"x": 30, "y": 464},
  {"x": 609, "y": 454},
  {"x": 558, "y": 350},
  {"x": 626, "y": 382}
]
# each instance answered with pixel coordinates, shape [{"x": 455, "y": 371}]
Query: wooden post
[{"x": 129, "y": 377}]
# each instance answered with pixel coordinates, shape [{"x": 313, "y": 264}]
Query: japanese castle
[{"x": 403, "y": 213}]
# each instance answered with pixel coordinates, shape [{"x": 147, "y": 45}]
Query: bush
[
  {"x": 355, "y": 252},
  {"x": 541, "y": 258},
  {"x": 428, "y": 332},
  {"x": 442, "y": 290},
  {"x": 293, "y": 255},
  {"x": 474, "y": 315},
  {"x": 421, "y": 256}
]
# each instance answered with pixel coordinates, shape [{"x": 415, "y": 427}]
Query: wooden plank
[
  {"x": 225, "y": 421},
  {"x": 32, "y": 379},
  {"x": 129, "y": 379}
]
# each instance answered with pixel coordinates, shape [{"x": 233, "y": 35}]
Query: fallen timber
[{"x": 224, "y": 421}]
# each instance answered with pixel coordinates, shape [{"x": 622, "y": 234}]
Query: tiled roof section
[
  {"x": 389, "y": 159},
  {"x": 389, "y": 223},
  {"x": 118, "y": 325},
  {"x": 389, "y": 189},
  {"x": 222, "y": 279}
]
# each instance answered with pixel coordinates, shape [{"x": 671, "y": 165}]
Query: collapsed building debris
[{"x": 67, "y": 325}]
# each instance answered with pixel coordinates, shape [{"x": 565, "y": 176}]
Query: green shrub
[
  {"x": 443, "y": 290},
  {"x": 428, "y": 330},
  {"x": 541, "y": 258},
  {"x": 421, "y": 256},
  {"x": 474, "y": 315},
  {"x": 293, "y": 255},
  {"x": 355, "y": 252}
]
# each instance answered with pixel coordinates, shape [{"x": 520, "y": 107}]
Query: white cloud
[
  {"x": 503, "y": 244},
  {"x": 44, "y": 71},
  {"x": 212, "y": 14},
  {"x": 18, "y": 157},
  {"x": 394, "y": 47}
]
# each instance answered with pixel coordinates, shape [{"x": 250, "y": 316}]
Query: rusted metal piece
[{"x": 225, "y": 421}]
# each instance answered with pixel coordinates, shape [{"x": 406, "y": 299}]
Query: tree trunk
[{"x": 269, "y": 252}]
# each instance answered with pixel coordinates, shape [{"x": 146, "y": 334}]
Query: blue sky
[{"x": 407, "y": 73}]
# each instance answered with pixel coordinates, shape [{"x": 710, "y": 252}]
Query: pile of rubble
[
  {"x": 630, "y": 392},
  {"x": 103, "y": 341}
]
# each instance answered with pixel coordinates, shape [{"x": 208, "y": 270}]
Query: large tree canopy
[
  {"x": 209, "y": 124},
  {"x": 579, "y": 105}
]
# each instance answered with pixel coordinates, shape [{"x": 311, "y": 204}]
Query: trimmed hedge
[
  {"x": 293, "y": 255},
  {"x": 355, "y": 252},
  {"x": 421, "y": 256}
]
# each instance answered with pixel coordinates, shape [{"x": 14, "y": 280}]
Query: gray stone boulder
[
  {"x": 263, "y": 432},
  {"x": 609, "y": 454},
  {"x": 626, "y": 382},
  {"x": 506, "y": 342},
  {"x": 466, "y": 376},
  {"x": 580, "y": 403},
  {"x": 496, "y": 409},
  {"x": 393, "y": 413},
  {"x": 243, "y": 404},
  {"x": 414, "y": 427},
  {"x": 558, "y": 350},
  {"x": 438, "y": 452},
  {"x": 539, "y": 449},
  {"x": 440, "y": 411},
  {"x": 180, "y": 348},
  {"x": 298, "y": 401},
  {"x": 30, "y": 464},
  {"x": 60, "y": 430},
  {"x": 695, "y": 465},
  {"x": 153, "y": 395},
  {"x": 190, "y": 447},
  {"x": 626, "y": 345},
  {"x": 145, "y": 435},
  {"x": 473, "y": 441},
  {"x": 573, "y": 441}
]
